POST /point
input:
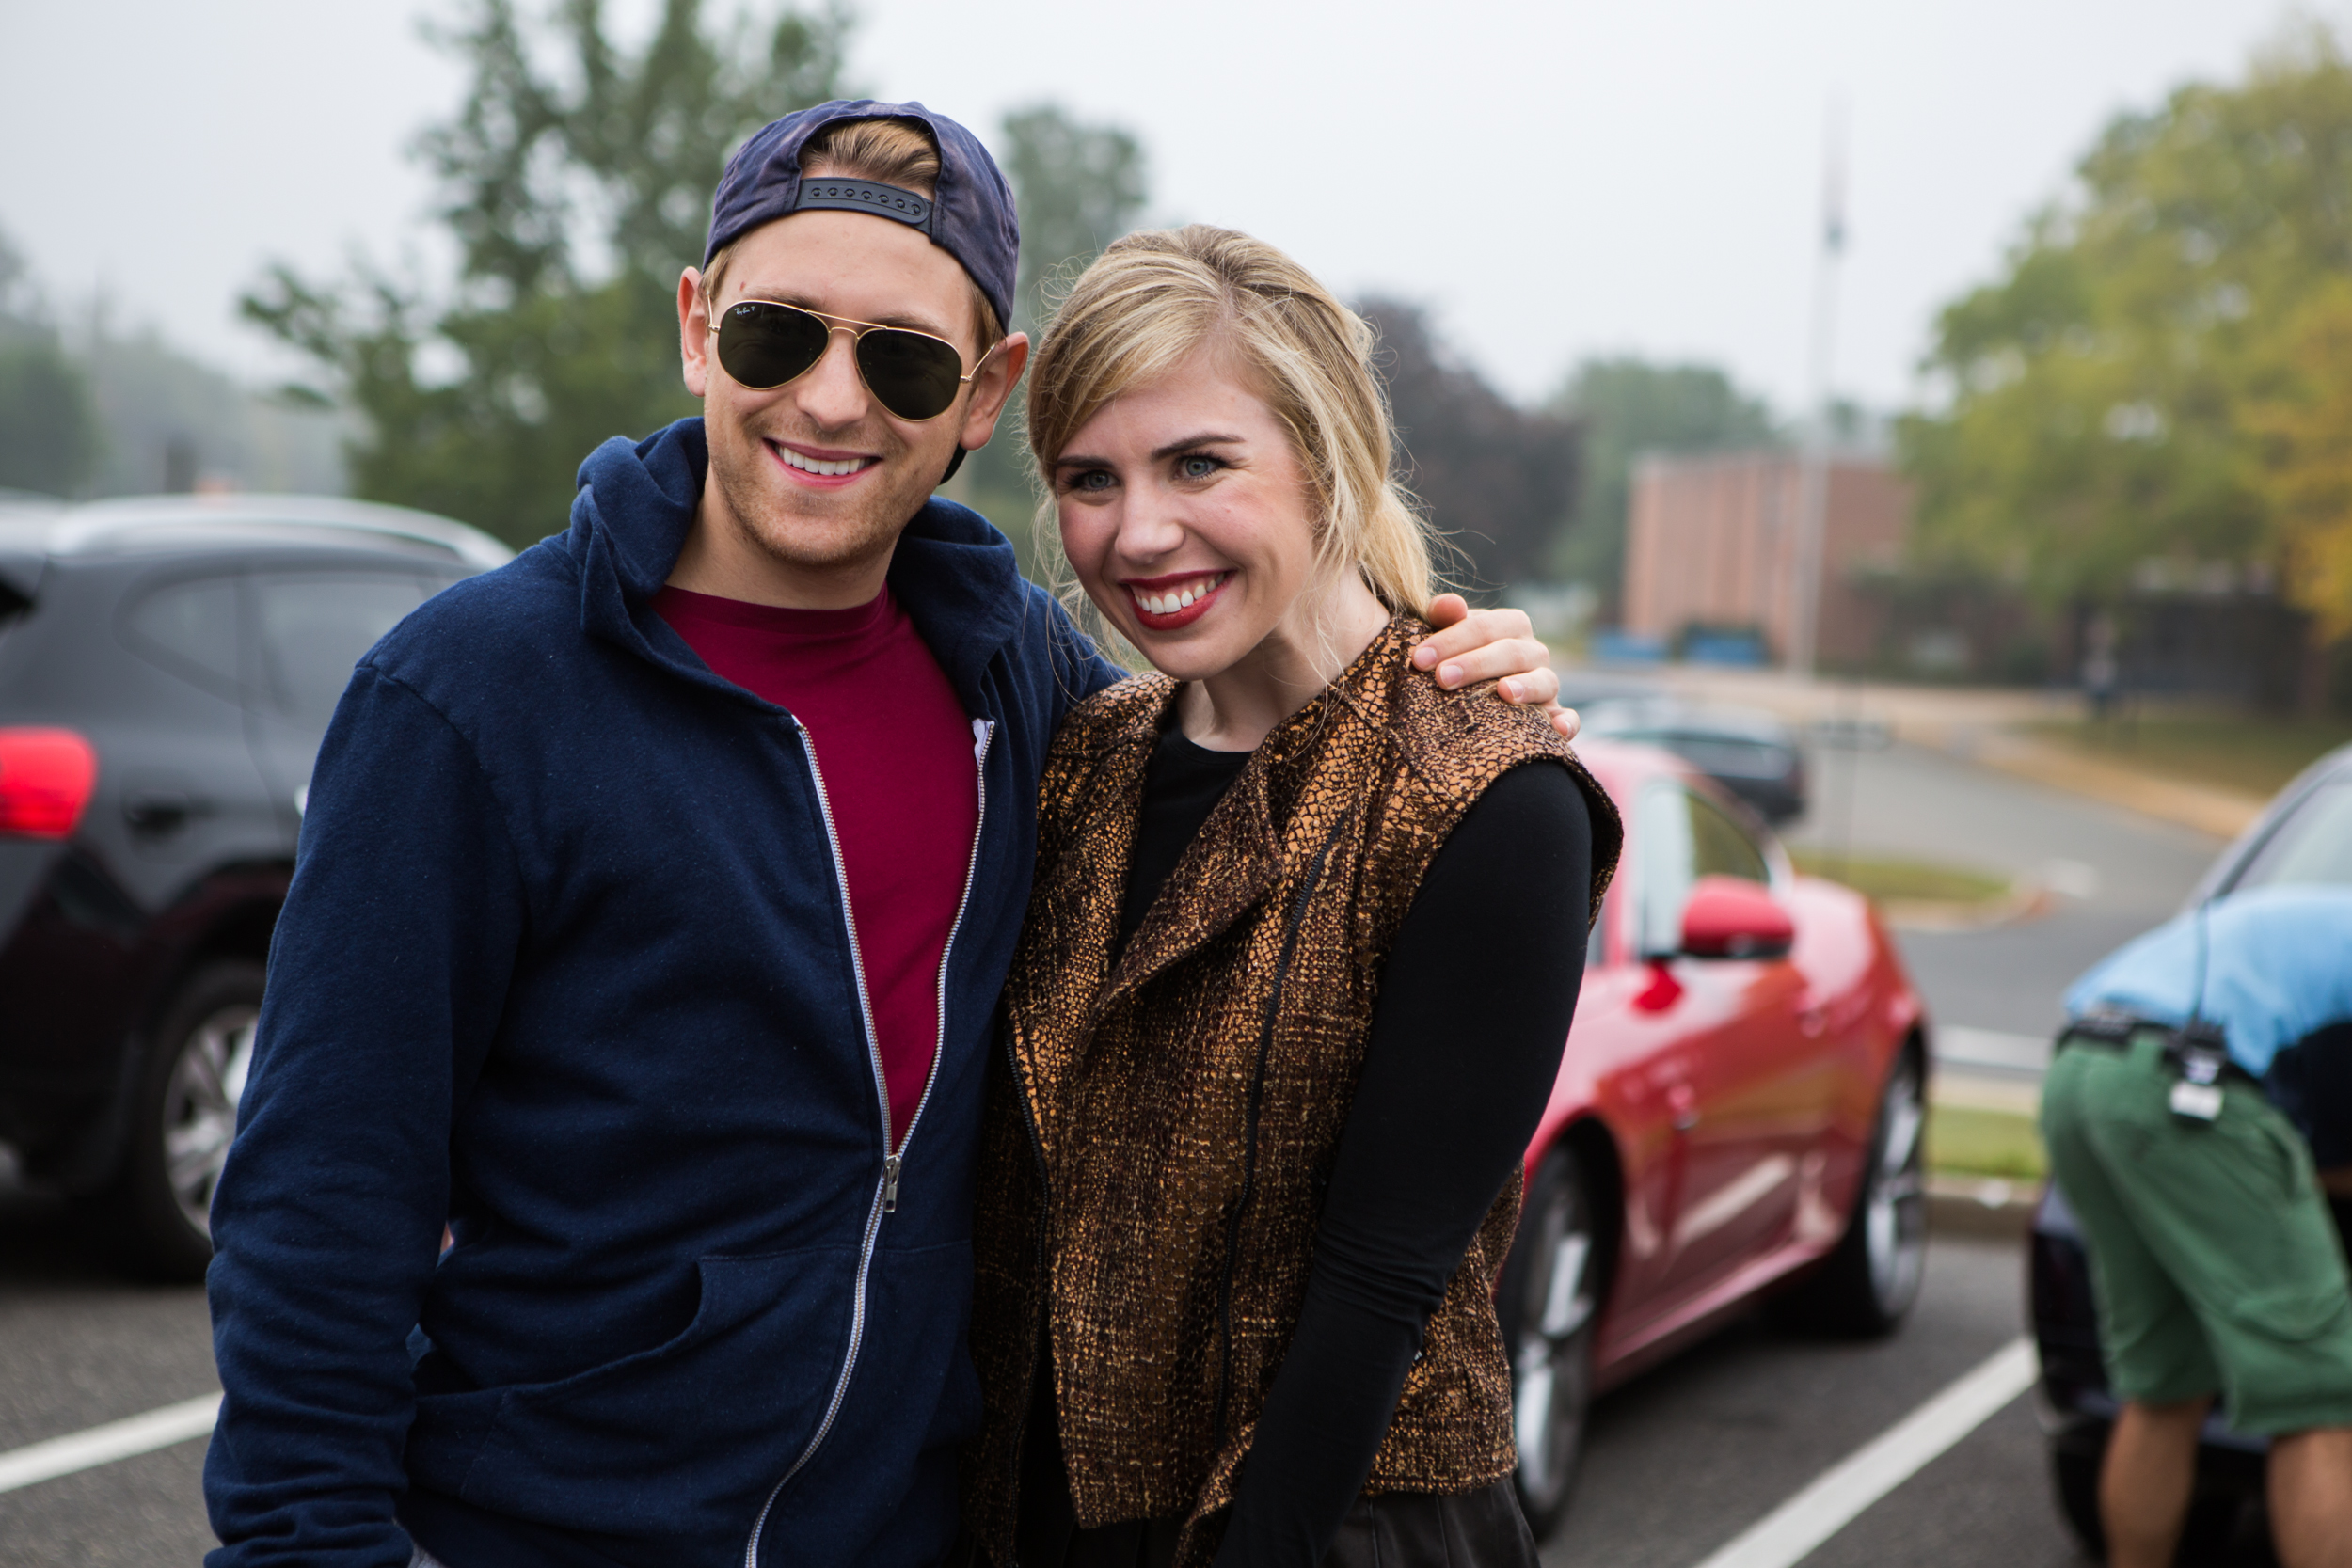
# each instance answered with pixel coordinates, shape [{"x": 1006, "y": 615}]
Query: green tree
[
  {"x": 1625, "y": 407},
  {"x": 2129, "y": 388},
  {"x": 556, "y": 344},
  {"x": 49, "y": 432},
  {"x": 1078, "y": 188},
  {"x": 1497, "y": 481}
]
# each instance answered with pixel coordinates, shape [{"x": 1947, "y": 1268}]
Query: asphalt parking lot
[{"x": 1680, "y": 1462}]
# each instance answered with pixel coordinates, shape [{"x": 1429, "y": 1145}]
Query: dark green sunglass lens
[
  {"x": 915, "y": 377},
  {"x": 766, "y": 345}
]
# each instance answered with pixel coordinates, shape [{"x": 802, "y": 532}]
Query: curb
[
  {"x": 1982, "y": 1206},
  {"x": 1983, "y": 725},
  {"x": 2025, "y": 900},
  {"x": 2208, "y": 809}
]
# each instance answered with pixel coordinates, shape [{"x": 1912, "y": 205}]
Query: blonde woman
[{"x": 1301, "y": 953}]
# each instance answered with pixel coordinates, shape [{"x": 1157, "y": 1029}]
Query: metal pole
[{"x": 1813, "y": 473}]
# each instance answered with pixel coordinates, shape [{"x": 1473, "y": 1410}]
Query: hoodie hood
[{"x": 957, "y": 575}]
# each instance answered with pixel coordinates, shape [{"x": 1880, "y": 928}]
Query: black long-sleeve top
[{"x": 1474, "y": 1005}]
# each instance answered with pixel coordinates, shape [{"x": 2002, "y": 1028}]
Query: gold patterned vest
[{"x": 1159, "y": 1129}]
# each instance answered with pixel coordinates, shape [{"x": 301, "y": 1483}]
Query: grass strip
[
  {"x": 1901, "y": 881},
  {"x": 1964, "y": 1141}
]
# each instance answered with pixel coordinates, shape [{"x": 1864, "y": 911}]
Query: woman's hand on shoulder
[{"x": 1500, "y": 645}]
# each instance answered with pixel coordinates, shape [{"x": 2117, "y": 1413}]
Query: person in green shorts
[{"x": 2215, "y": 1264}]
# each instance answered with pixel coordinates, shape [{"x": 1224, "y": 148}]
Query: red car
[{"x": 1739, "y": 1112}]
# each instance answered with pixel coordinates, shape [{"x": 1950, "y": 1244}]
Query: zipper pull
[{"x": 890, "y": 1183}]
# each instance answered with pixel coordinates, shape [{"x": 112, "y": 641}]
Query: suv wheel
[
  {"x": 182, "y": 1116},
  {"x": 1867, "y": 1285},
  {"x": 1549, "y": 1301}
]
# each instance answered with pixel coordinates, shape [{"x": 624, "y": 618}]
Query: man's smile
[{"x": 822, "y": 468}]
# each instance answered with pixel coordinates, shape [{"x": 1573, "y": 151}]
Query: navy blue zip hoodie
[{"x": 566, "y": 964}]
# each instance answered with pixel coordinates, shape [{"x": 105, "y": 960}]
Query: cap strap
[{"x": 865, "y": 196}]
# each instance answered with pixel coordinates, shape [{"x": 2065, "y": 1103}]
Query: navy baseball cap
[{"x": 971, "y": 216}]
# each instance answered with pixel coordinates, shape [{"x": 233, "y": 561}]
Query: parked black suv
[{"x": 168, "y": 667}]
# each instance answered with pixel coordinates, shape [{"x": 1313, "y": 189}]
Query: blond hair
[
  {"x": 1154, "y": 297},
  {"x": 896, "y": 152}
]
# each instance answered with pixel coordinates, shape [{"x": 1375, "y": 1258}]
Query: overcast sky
[{"x": 1555, "y": 180}]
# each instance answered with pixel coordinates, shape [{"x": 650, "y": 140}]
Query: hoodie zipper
[
  {"x": 886, "y": 1193},
  {"x": 983, "y": 732}
]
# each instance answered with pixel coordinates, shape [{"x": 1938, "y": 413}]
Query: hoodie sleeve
[{"x": 387, "y": 977}]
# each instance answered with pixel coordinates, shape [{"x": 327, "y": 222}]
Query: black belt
[{"x": 2114, "y": 1032}]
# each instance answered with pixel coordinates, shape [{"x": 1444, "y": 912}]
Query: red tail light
[{"x": 46, "y": 777}]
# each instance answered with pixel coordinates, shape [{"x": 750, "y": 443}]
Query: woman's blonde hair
[{"x": 1153, "y": 298}]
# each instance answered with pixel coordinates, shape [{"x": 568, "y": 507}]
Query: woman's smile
[{"x": 1177, "y": 599}]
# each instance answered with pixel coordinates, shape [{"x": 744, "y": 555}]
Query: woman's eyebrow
[{"x": 1191, "y": 441}]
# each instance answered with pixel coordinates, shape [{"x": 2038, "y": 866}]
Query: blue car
[{"x": 2303, "y": 842}]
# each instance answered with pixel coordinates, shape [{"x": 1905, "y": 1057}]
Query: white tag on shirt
[{"x": 2197, "y": 1102}]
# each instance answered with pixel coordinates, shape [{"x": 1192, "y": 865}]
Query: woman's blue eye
[
  {"x": 1093, "y": 479},
  {"x": 1197, "y": 468}
]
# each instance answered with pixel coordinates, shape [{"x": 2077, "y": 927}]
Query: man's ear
[
  {"x": 991, "y": 389},
  {"x": 694, "y": 332}
]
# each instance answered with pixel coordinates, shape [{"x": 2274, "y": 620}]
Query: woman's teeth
[
  {"x": 820, "y": 466},
  {"x": 1169, "y": 604}
]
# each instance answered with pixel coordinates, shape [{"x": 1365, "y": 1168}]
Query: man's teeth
[
  {"x": 1169, "y": 604},
  {"x": 820, "y": 466}
]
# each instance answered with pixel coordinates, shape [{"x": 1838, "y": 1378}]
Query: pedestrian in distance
[
  {"x": 1300, "y": 960},
  {"x": 2215, "y": 1267},
  {"x": 654, "y": 897}
]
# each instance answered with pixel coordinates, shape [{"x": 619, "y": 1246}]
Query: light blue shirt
[{"x": 2277, "y": 966}]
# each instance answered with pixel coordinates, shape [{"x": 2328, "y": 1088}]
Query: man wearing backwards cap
[{"x": 654, "y": 897}]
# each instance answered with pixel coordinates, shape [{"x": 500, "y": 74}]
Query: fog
[{"x": 1552, "y": 180}]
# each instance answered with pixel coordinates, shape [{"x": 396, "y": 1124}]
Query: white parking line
[
  {"x": 1783, "y": 1536},
  {"x": 104, "y": 1445},
  {"x": 1778, "y": 1540}
]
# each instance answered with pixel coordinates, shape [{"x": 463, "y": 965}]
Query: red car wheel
[{"x": 1549, "y": 1302}]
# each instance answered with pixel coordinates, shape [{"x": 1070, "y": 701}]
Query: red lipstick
[{"x": 1164, "y": 590}]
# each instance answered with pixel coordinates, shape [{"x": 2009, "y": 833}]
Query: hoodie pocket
[{"x": 646, "y": 1443}]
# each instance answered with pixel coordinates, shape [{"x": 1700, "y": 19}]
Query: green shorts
[{"x": 2214, "y": 1261}]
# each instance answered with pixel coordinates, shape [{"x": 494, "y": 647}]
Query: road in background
[{"x": 2110, "y": 874}]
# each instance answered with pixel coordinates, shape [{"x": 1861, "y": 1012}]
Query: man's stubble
[{"x": 816, "y": 532}]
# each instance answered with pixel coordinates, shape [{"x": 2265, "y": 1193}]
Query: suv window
[
  {"x": 2313, "y": 846},
  {"x": 190, "y": 628},
  {"x": 314, "y": 627},
  {"x": 1720, "y": 847}
]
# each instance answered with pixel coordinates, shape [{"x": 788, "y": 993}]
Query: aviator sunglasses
[{"x": 764, "y": 344}]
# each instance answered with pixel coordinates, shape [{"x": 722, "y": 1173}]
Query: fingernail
[
  {"x": 1510, "y": 691},
  {"x": 1448, "y": 674},
  {"x": 1424, "y": 657}
]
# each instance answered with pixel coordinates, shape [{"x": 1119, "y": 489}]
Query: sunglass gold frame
[{"x": 857, "y": 330}]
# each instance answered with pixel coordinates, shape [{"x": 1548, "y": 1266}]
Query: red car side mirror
[{"x": 1729, "y": 917}]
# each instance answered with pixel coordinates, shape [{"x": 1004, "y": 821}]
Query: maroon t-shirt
[{"x": 898, "y": 752}]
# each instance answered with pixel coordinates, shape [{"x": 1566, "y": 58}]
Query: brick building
[{"x": 1711, "y": 542}]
